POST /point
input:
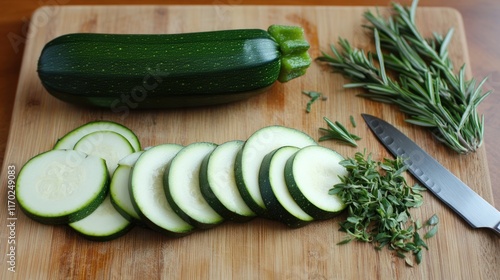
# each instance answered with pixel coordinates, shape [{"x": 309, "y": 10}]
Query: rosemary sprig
[
  {"x": 336, "y": 131},
  {"x": 378, "y": 200},
  {"x": 417, "y": 75}
]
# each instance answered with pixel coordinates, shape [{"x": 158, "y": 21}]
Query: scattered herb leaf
[
  {"x": 353, "y": 122},
  {"x": 434, "y": 220},
  {"x": 418, "y": 256},
  {"x": 408, "y": 262},
  {"x": 418, "y": 224},
  {"x": 336, "y": 131},
  {"x": 378, "y": 200},
  {"x": 431, "y": 232},
  {"x": 433, "y": 223},
  {"x": 345, "y": 241},
  {"x": 314, "y": 95}
]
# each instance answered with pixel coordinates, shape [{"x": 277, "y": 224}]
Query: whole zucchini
[{"x": 121, "y": 71}]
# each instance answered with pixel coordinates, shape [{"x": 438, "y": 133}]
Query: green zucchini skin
[{"x": 121, "y": 71}]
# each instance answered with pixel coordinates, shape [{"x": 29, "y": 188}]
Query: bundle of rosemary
[{"x": 416, "y": 74}]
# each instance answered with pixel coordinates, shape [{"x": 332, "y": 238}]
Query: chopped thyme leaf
[{"x": 378, "y": 201}]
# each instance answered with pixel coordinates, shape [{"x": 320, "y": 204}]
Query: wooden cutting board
[{"x": 259, "y": 249}]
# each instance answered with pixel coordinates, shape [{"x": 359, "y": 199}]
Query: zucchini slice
[
  {"x": 279, "y": 203},
  {"x": 218, "y": 183},
  {"x": 249, "y": 159},
  {"x": 104, "y": 224},
  {"x": 61, "y": 186},
  {"x": 310, "y": 173},
  {"x": 148, "y": 194},
  {"x": 112, "y": 147},
  {"x": 119, "y": 190},
  {"x": 182, "y": 186},
  {"x": 130, "y": 71},
  {"x": 69, "y": 140},
  {"x": 108, "y": 145}
]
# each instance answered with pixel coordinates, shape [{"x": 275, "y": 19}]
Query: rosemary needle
[{"x": 353, "y": 122}]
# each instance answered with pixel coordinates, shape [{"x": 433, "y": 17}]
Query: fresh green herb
[
  {"x": 418, "y": 224},
  {"x": 433, "y": 223},
  {"x": 336, "y": 131},
  {"x": 378, "y": 200},
  {"x": 416, "y": 74},
  {"x": 434, "y": 220},
  {"x": 314, "y": 95},
  {"x": 431, "y": 232},
  {"x": 353, "y": 122}
]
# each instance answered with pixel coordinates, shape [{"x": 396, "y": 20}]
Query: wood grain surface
[{"x": 259, "y": 249}]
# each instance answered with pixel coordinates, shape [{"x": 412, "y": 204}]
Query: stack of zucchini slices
[{"x": 100, "y": 182}]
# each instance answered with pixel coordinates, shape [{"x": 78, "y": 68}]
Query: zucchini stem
[{"x": 293, "y": 47}]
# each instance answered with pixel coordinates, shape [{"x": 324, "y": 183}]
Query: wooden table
[{"x": 479, "y": 21}]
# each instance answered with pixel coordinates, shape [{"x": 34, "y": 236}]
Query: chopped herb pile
[
  {"x": 336, "y": 131},
  {"x": 378, "y": 200}
]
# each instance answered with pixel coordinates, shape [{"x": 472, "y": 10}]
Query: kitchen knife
[{"x": 439, "y": 180}]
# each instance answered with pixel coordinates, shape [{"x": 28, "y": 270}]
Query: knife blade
[{"x": 440, "y": 181}]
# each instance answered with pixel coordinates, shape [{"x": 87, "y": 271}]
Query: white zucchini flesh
[
  {"x": 109, "y": 145},
  {"x": 183, "y": 186},
  {"x": 119, "y": 189},
  {"x": 69, "y": 140},
  {"x": 105, "y": 223},
  {"x": 311, "y": 173},
  {"x": 61, "y": 186},
  {"x": 219, "y": 183},
  {"x": 275, "y": 174},
  {"x": 258, "y": 145},
  {"x": 148, "y": 194}
]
